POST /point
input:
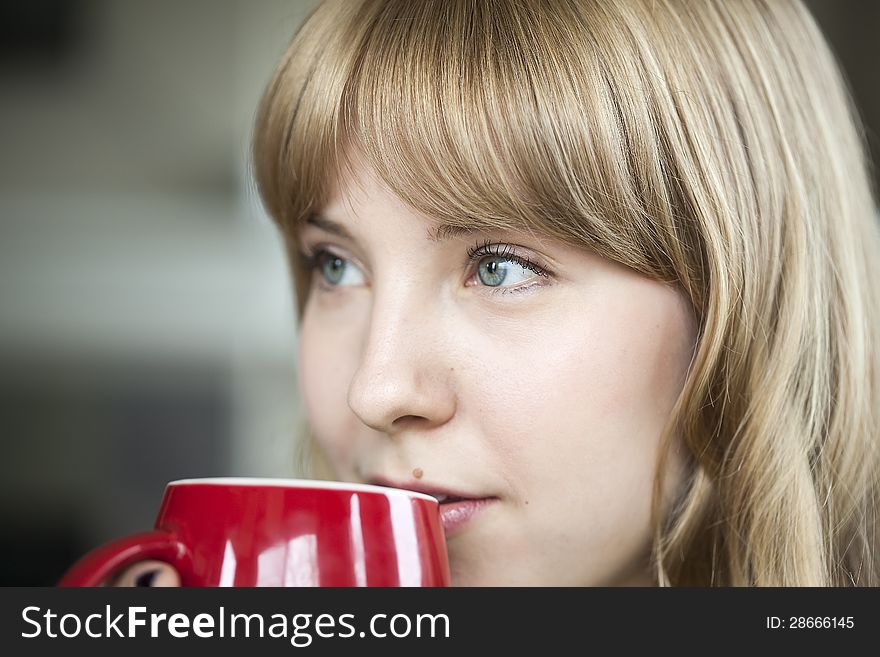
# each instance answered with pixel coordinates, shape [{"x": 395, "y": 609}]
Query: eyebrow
[
  {"x": 442, "y": 233},
  {"x": 329, "y": 226}
]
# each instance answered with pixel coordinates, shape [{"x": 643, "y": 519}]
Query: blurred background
[{"x": 146, "y": 320}]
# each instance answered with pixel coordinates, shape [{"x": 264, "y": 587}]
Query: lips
[
  {"x": 442, "y": 494},
  {"x": 449, "y": 498},
  {"x": 456, "y": 514},
  {"x": 457, "y": 507}
]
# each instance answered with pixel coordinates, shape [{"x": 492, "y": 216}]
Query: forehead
[{"x": 361, "y": 189}]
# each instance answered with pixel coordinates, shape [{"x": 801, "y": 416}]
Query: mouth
[{"x": 457, "y": 508}]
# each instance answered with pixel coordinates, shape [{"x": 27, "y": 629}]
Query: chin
[
  {"x": 474, "y": 577},
  {"x": 464, "y": 577}
]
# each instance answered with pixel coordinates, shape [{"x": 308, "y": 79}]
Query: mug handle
[{"x": 103, "y": 561}]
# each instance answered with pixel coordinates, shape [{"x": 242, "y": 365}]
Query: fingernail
[{"x": 146, "y": 579}]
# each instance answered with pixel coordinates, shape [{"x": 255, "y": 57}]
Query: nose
[{"x": 404, "y": 378}]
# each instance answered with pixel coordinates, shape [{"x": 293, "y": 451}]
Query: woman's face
[{"x": 541, "y": 395}]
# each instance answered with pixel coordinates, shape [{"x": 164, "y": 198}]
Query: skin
[{"x": 551, "y": 398}]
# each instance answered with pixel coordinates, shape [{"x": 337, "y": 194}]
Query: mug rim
[{"x": 302, "y": 483}]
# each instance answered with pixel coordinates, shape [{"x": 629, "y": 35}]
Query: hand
[{"x": 146, "y": 573}]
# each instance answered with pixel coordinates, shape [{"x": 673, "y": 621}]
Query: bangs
[{"x": 493, "y": 115}]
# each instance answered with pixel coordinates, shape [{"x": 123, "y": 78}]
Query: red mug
[{"x": 283, "y": 532}]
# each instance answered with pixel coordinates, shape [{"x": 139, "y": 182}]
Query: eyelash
[
  {"x": 475, "y": 253},
  {"x": 505, "y": 252}
]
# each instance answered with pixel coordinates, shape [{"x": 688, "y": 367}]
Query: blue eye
[
  {"x": 503, "y": 273},
  {"x": 498, "y": 268},
  {"x": 334, "y": 269},
  {"x": 497, "y": 262}
]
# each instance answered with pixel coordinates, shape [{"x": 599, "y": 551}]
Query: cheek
[
  {"x": 592, "y": 407},
  {"x": 323, "y": 383},
  {"x": 628, "y": 366}
]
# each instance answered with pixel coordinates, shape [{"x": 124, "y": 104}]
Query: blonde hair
[{"x": 712, "y": 145}]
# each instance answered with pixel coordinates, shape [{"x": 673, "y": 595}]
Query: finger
[{"x": 148, "y": 573}]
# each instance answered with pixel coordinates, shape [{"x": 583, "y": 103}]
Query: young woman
[{"x": 600, "y": 273}]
